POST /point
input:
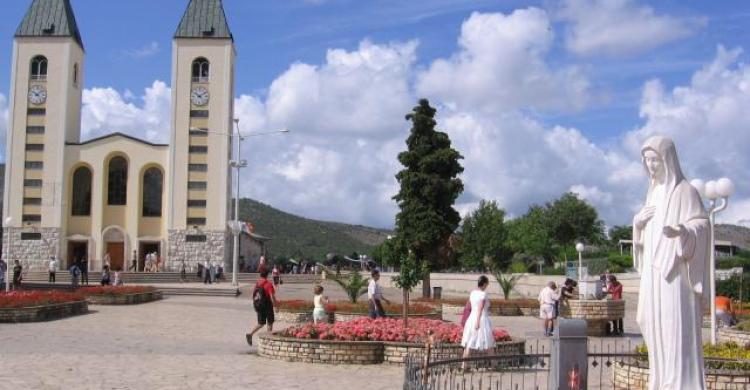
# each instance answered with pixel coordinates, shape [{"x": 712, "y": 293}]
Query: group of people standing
[
  {"x": 17, "y": 273},
  {"x": 210, "y": 271}
]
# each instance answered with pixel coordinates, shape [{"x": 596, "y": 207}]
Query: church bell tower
[
  {"x": 45, "y": 113},
  {"x": 203, "y": 56}
]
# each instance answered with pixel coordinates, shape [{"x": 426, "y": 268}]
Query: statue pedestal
[{"x": 597, "y": 313}]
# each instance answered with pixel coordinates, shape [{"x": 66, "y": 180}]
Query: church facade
[{"x": 117, "y": 198}]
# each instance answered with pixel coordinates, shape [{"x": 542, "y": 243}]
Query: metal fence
[{"x": 443, "y": 370}]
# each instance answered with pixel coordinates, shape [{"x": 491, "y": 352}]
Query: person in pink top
[{"x": 615, "y": 290}]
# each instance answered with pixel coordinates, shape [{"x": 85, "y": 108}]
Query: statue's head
[{"x": 659, "y": 157}]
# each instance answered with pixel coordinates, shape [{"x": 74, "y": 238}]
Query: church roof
[
  {"x": 116, "y": 134},
  {"x": 50, "y": 18},
  {"x": 204, "y": 19}
]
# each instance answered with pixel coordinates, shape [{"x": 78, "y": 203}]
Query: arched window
[
  {"x": 39, "y": 68},
  {"x": 200, "y": 70},
  {"x": 152, "y": 192},
  {"x": 81, "y": 192},
  {"x": 117, "y": 190}
]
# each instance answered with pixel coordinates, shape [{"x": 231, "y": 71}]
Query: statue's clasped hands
[{"x": 643, "y": 216}]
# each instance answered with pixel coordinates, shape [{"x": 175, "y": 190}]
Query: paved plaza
[{"x": 182, "y": 342}]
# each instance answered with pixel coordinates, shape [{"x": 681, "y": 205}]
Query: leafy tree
[
  {"x": 484, "y": 238},
  {"x": 411, "y": 272},
  {"x": 571, "y": 219},
  {"x": 618, "y": 233},
  {"x": 529, "y": 235},
  {"x": 429, "y": 187},
  {"x": 390, "y": 252},
  {"x": 354, "y": 286}
]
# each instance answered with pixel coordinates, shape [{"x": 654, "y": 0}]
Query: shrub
[
  {"x": 553, "y": 271},
  {"x": 295, "y": 305},
  {"x": 354, "y": 286},
  {"x": 732, "y": 262},
  {"x": 619, "y": 262},
  {"x": 520, "y": 303},
  {"x": 731, "y": 287},
  {"x": 116, "y": 290},
  {"x": 19, "y": 299},
  {"x": 517, "y": 267},
  {"x": 723, "y": 351},
  {"x": 384, "y": 329}
]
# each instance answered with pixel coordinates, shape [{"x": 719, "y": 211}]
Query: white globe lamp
[
  {"x": 711, "y": 192},
  {"x": 724, "y": 187}
]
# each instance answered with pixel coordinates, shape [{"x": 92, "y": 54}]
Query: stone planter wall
[
  {"x": 43, "y": 313},
  {"x": 396, "y": 352},
  {"x": 449, "y": 309},
  {"x": 597, "y": 313},
  {"x": 355, "y": 352},
  {"x": 739, "y": 337},
  {"x": 343, "y": 317},
  {"x": 125, "y": 299},
  {"x": 632, "y": 377}
]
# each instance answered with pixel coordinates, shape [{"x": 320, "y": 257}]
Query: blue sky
[{"x": 597, "y": 62}]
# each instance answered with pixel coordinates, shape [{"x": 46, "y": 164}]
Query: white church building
[{"x": 117, "y": 196}]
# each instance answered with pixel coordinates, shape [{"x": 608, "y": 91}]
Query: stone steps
[
  {"x": 224, "y": 291},
  {"x": 165, "y": 277}
]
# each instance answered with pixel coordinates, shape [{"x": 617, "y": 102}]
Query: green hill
[{"x": 295, "y": 236}]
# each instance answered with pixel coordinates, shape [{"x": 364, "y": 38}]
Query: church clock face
[
  {"x": 199, "y": 96},
  {"x": 37, "y": 94}
]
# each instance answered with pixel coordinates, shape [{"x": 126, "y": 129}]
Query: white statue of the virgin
[{"x": 670, "y": 251}]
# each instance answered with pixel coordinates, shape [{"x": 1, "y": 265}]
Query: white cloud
[
  {"x": 620, "y": 27},
  {"x": 708, "y": 121},
  {"x": 500, "y": 66},
  {"x": 106, "y": 110},
  {"x": 148, "y": 50},
  {"x": 346, "y": 117}
]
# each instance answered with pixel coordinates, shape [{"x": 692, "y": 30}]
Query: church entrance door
[
  {"x": 116, "y": 252},
  {"x": 76, "y": 251}
]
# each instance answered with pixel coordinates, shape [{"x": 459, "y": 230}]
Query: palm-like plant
[
  {"x": 354, "y": 286},
  {"x": 507, "y": 282}
]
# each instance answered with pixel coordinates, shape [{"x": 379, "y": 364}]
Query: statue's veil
[{"x": 666, "y": 150}]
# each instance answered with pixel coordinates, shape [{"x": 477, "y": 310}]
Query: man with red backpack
[{"x": 264, "y": 301}]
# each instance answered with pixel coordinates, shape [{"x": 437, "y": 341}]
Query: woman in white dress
[{"x": 478, "y": 328}]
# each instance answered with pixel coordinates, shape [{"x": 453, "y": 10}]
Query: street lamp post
[
  {"x": 238, "y": 163},
  {"x": 8, "y": 222},
  {"x": 719, "y": 190},
  {"x": 579, "y": 249}
]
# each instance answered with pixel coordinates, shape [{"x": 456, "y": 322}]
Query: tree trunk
[
  {"x": 405, "y": 310},
  {"x": 426, "y": 285}
]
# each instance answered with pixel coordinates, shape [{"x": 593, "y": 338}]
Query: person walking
[
  {"x": 275, "y": 275},
  {"x": 615, "y": 290},
  {"x": 85, "y": 270},
  {"x": 724, "y": 312},
  {"x": 206, "y": 272},
  {"x": 264, "y": 302},
  {"x": 547, "y": 298},
  {"x": 375, "y": 296},
  {"x": 106, "y": 277},
  {"x": 134, "y": 262},
  {"x": 74, "y": 271},
  {"x": 52, "y": 268},
  {"x": 3, "y": 271},
  {"x": 17, "y": 270},
  {"x": 118, "y": 279},
  {"x": 319, "y": 300},
  {"x": 477, "y": 334}
]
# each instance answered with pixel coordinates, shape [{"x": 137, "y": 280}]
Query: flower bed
[
  {"x": 634, "y": 376},
  {"x": 498, "y": 307},
  {"x": 32, "y": 306},
  {"x": 366, "y": 341},
  {"x": 120, "y": 295},
  {"x": 300, "y": 311}
]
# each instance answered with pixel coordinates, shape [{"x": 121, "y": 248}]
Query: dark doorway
[
  {"x": 146, "y": 248},
  {"x": 76, "y": 251},
  {"x": 116, "y": 252}
]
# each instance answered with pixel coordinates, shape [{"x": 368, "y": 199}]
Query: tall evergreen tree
[{"x": 429, "y": 187}]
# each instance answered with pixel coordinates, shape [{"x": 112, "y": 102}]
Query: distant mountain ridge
[
  {"x": 293, "y": 235},
  {"x": 738, "y": 235}
]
